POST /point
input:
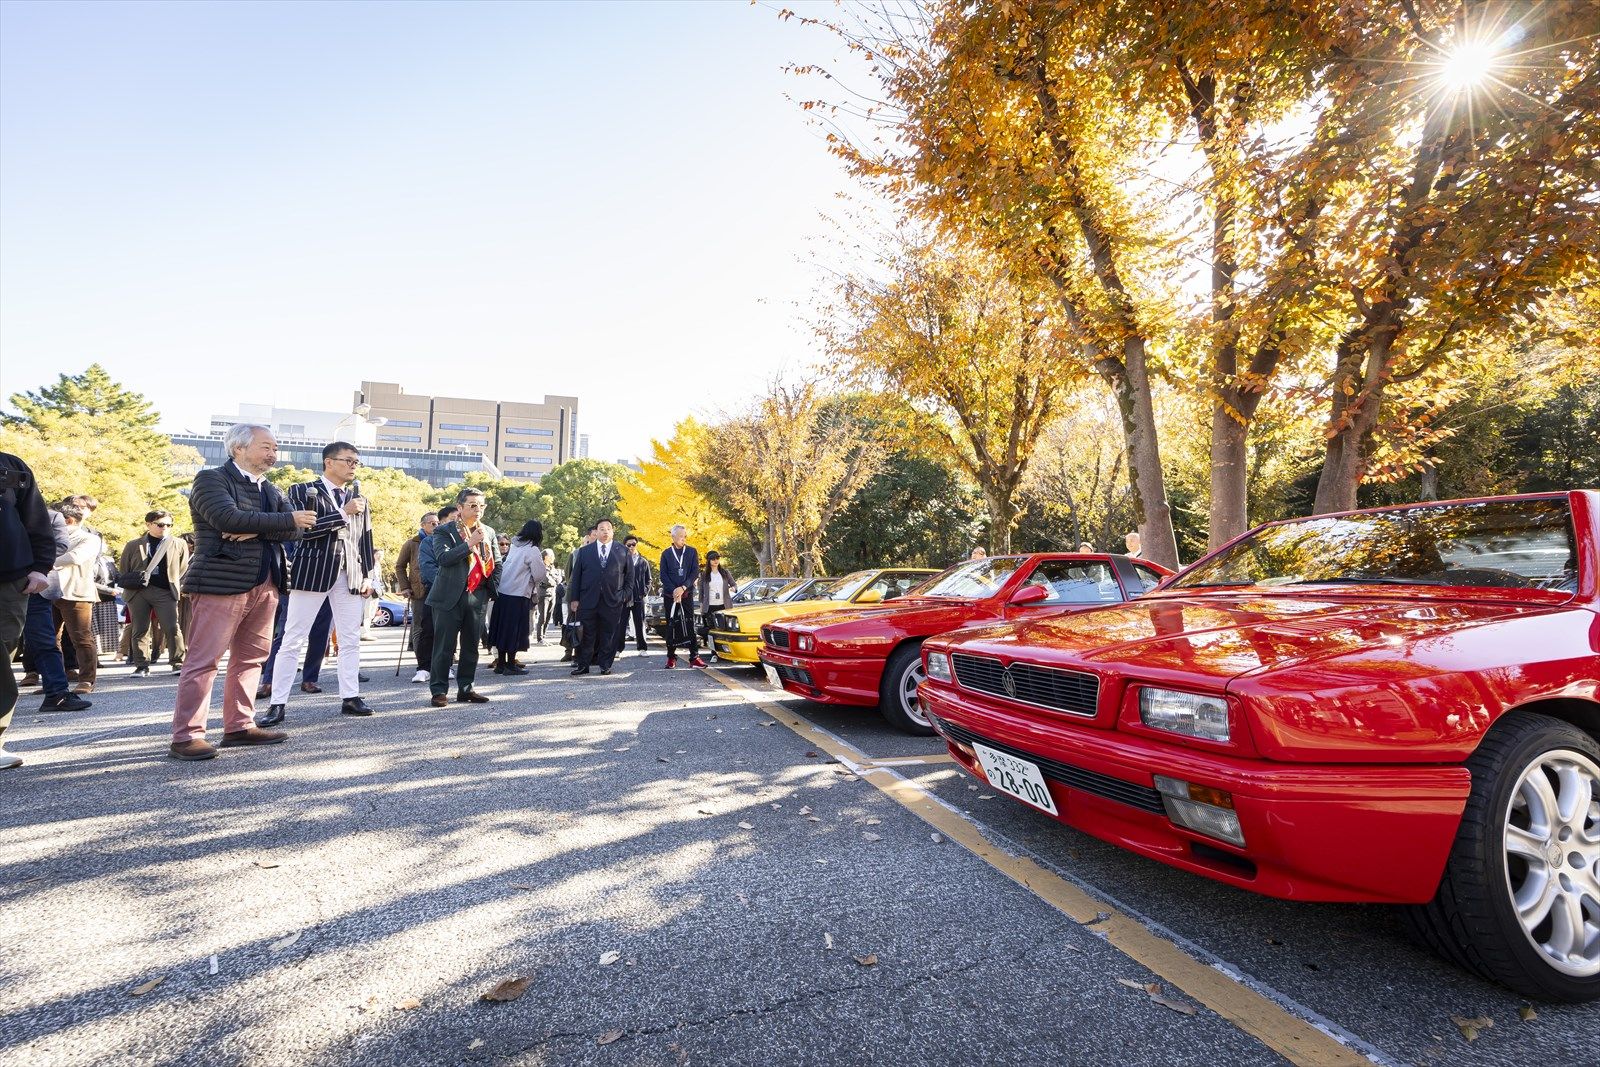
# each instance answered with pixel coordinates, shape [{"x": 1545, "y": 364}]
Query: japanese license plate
[
  {"x": 1015, "y": 777},
  {"x": 772, "y": 676}
]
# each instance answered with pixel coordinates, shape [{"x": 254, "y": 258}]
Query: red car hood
[
  {"x": 1222, "y": 636},
  {"x": 905, "y": 615}
]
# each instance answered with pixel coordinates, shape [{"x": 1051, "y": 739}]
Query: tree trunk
[
  {"x": 1001, "y": 505},
  {"x": 1354, "y": 415},
  {"x": 1145, "y": 476},
  {"x": 1230, "y": 485}
]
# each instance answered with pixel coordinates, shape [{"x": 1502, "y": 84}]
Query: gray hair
[
  {"x": 242, "y": 435},
  {"x": 676, "y": 527},
  {"x": 426, "y": 515}
]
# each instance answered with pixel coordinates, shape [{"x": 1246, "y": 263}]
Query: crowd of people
[{"x": 267, "y": 577}]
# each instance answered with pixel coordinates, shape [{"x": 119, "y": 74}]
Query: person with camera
[
  {"x": 334, "y": 564},
  {"x": 241, "y": 522},
  {"x": 151, "y": 575},
  {"x": 27, "y": 555}
]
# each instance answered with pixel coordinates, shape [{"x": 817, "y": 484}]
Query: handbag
[
  {"x": 571, "y": 634},
  {"x": 680, "y": 627}
]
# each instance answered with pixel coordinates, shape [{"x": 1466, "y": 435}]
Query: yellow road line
[{"x": 1279, "y": 1029}]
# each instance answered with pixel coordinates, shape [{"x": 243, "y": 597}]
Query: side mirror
[
  {"x": 871, "y": 596},
  {"x": 1029, "y": 594}
]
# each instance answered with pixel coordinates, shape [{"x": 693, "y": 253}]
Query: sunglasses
[{"x": 164, "y": 525}]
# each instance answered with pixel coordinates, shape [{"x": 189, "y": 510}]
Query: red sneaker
[
  {"x": 672, "y": 661},
  {"x": 697, "y": 662}
]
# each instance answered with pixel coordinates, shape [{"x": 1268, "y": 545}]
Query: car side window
[
  {"x": 1076, "y": 582},
  {"x": 1149, "y": 578}
]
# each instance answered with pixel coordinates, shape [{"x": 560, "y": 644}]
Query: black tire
[
  {"x": 1472, "y": 920},
  {"x": 902, "y": 715}
]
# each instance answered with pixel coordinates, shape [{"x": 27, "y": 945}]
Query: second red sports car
[{"x": 872, "y": 657}]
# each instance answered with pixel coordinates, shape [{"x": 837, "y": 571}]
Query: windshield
[
  {"x": 1519, "y": 544},
  {"x": 796, "y": 590},
  {"x": 842, "y": 588},
  {"x": 972, "y": 580}
]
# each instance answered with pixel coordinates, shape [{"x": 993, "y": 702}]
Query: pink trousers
[{"x": 240, "y": 625}]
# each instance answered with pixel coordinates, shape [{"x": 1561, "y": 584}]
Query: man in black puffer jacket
[
  {"x": 27, "y": 553},
  {"x": 238, "y": 572}
]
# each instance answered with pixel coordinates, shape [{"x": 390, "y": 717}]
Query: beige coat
[{"x": 74, "y": 572}]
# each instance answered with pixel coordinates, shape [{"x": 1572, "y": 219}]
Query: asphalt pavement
[{"x": 674, "y": 867}]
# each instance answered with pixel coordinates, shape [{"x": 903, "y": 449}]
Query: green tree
[
  {"x": 576, "y": 495},
  {"x": 395, "y": 500},
  {"x": 87, "y": 433},
  {"x": 916, "y": 512}
]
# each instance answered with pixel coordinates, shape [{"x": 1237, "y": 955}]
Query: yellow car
[{"x": 736, "y": 632}]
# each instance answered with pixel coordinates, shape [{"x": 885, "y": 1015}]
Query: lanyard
[{"x": 677, "y": 555}]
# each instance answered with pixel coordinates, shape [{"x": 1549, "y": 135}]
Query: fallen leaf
[
  {"x": 624, "y": 748},
  {"x": 806, "y": 810},
  {"x": 1099, "y": 917},
  {"x": 810, "y": 754},
  {"x": 986, "y": 796},
  {"x": 453, "y": 755},
  {"x": 1131, "y": 984},
  {"x": 213, "y": 965},
  {"x": 265, "y": 865},
  {"x": 1176, "y": 1005},
  {"x": 746, "y": 826},
  {"x": 775, "y": 807},
  {"x": 681, "y": 752},
  {"x": 704, "y": 811},
  {"x": 1153, "y": 988},
  {"x": 521, "y": 885},
  {"x": 769, "y": 723},
  {"x": 506, "y": 991},
  {"x": 408, "y": 1004},
  {"x": 288, "y": 942},
  {"x": 369, "y": 1005},
  {"x": 812, "y": 818},
  {"x": 608, "y": 1037},
  {"x": 710, "y": 717},
  {"x": 938, "y": 839},
  {"x": 874, "y": 822},
  {"x": 662, "y": 759},
  {"x": 719, "y": 729},
  {"x": 743, "y": 899},
  {"x": 607, "y": 959},
  {"x": 822, "y": 863},
  {"x": 477, "y": 1042},
  {"x": 1527, "y": 1014},
  {"x": 1073, "y": 948},
  {"x": 827, "y": 942},
  {"x": 872, "y": 837},
  {"x": 143, "y": 988},
  {"x": 1470, "y": 1027},
  {"x": 867, "y": 961},
  {"x": 848, "y": 778}
]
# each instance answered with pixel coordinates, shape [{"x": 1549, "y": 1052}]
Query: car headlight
[
  {"x": 805, "y": 642},
  {"x": 1184, "y": 713},
  {"x": 938, "y": 666},
  {"x": 730, "y": 623}
]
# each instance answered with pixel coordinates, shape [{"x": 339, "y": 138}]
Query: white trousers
[{"x": 303, "y": 608}]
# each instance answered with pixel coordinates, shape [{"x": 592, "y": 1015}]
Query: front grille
[
  {"x": 1048, "y": 687},
  {"x": 1101, "y": 785},
  {"x": 793, "y": 674},
  {"x": 775, "y": 638}
]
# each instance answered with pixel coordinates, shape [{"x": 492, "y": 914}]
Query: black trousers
[
  {"x": 637, "y": 611},
  {"x": 686, "y": 606},
  {"x": 598, "y": 646},
  {"x": 422, "y": 634}
]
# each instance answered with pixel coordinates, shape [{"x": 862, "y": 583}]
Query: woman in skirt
[{"x": 520, "y": 575}]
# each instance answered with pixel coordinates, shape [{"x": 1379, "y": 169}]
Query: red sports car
[
  {"x": 870, "y": 657},
  {"x": 1397, "y": 705}
]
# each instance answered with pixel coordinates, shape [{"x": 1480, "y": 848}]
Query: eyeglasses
[{"x": 353, "y": 461}]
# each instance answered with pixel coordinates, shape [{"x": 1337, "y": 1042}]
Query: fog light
[
  {"x": 1203, "y": 809},
  {"x": 938, "y": 665}
]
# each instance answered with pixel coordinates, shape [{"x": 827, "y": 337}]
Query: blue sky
[{"x": 269, "y": 202}]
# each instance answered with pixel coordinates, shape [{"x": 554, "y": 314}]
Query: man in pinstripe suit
[{"x": 333, "y": 564}]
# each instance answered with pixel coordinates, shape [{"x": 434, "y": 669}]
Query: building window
[
  {"x": 405, "y": 422},
  {"x": 400, "y": 437},
  {"x": 529, "y": 444},
  {"x": 289, "y": 429},
  {"x": 463, "y": 441},
  {"x": 539, "y": 459},
  {"x": 529, "y": 431},
  {"x": 463, "y": 426}
]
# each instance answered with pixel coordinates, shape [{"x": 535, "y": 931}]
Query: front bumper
[
  {"x": 736, "y": 647},
  {"x": 1327, "y": 832},
  {"x": 826, "y": 679}
]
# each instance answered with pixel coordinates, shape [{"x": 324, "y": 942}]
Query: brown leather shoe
[
  {"x": 471, "y": 696},
  {"x": 440, "y": 701},
  {"x": 83, "y": 687},
  {"x": 199, "y": 748},
  {"x": 310, "y": 687},
  {"x": 254, "y": 735}
]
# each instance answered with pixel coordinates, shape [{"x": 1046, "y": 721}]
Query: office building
[{"x": 524, "y": 440}]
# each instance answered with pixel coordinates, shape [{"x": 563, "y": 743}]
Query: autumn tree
[
  {"x": 395, "y": 500},
  {"x": 782, "y": 470},
  {"x": 977, "y": 351},
  {"x": 658, "y": 497}
]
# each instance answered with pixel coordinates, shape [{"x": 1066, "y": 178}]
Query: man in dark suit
[
  {"x": 639, "y": 588},
  {"x": 467, "y": 565},
  {"x": 333, "y": 565},
  {"x": 151, "y": 575},
  {"x": 597, "y": 593},
  {"x": 238, "y": 571}
]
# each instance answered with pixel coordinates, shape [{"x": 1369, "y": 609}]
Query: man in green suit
[{"x": 469, "y": 567}]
